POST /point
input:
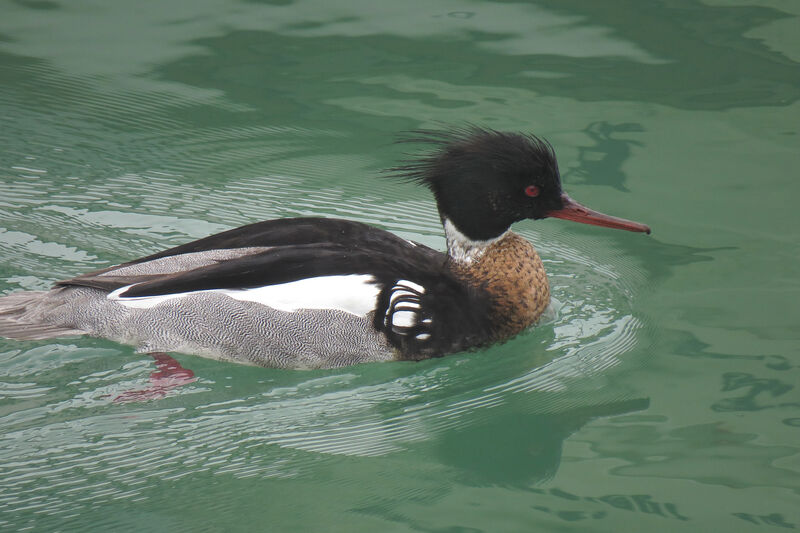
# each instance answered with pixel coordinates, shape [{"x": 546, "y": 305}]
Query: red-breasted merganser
[{"x": 318, "y": 293}]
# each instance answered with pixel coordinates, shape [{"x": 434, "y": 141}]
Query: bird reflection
[{"x": 518, "y": 448}]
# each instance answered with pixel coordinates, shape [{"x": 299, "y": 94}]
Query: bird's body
[{"x": 314, "y": 292}]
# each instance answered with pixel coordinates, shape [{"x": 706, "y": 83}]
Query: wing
[
  {"x": 290, "y": 232},
  {"x": 285, "y": 264},
  {"x": 419, "y": 305},
  {"x": 269, "y": 245}
]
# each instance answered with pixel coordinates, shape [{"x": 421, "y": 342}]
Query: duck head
[{"x": 485, "y": 180}]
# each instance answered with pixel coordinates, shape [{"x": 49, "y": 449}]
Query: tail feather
[{"x": 17, "y": 321}]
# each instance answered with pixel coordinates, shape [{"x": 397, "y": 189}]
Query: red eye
[{"x": 532, "y": 191}]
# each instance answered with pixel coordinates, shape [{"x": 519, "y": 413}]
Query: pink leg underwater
[{"x": 169, "y": 375}]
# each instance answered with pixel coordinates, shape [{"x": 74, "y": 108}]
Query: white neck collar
[{"x": 461, "y": 248}]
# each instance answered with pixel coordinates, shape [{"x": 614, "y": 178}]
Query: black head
[{"x": 485, "y": 180}]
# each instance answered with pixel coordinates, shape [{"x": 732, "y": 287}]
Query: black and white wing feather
[{"x": 417, "y": 303}]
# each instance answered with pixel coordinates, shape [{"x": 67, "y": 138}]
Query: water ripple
[
  {"x": 61, "y": 427},
  {"x": 95, "y": 451}
]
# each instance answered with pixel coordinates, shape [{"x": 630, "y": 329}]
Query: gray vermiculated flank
[
  {"x": 204, "y": 323},
  {"x": 209, "y": 324}
]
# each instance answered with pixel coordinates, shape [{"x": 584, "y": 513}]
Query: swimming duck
[{"x": 321, "y": 293}]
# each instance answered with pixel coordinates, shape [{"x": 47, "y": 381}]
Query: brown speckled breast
[{"x": 512, "y": 273}]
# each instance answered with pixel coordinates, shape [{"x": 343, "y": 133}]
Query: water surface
[{"x": 660, "y": 395}]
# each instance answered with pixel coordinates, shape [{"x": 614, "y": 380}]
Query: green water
[{"x": 661, "y": 394}]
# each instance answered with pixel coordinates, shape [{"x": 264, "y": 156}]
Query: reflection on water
[
  {"x": 660, "y": 391},
  {"x": 602, "y": 162},
  {"x": 73, "y": 431},
  {"x": 530, "y": 450}
]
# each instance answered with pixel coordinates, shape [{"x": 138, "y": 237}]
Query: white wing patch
[{"x": 354, "y": 294}]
